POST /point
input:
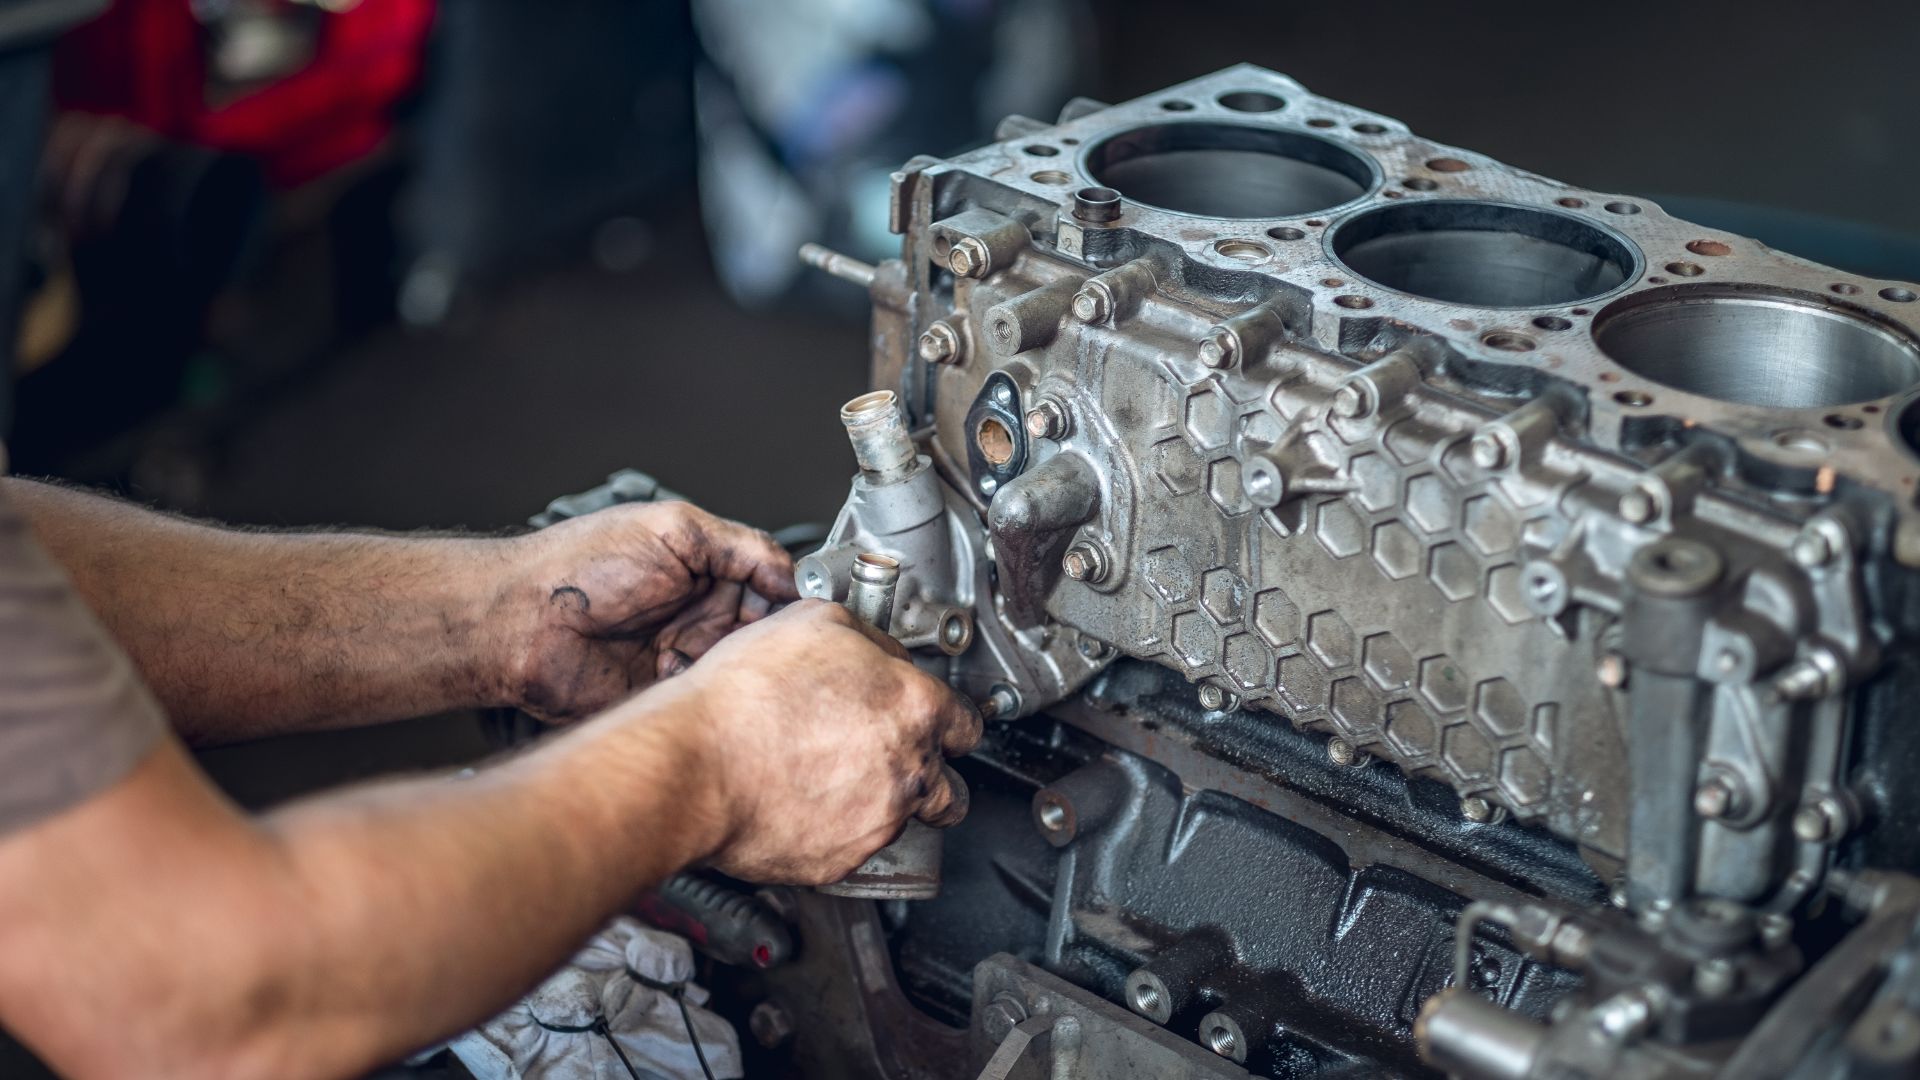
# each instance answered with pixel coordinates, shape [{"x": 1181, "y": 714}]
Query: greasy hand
[
  {"x": 601, "y": 605},
  {"x": 820, "y": 739}
]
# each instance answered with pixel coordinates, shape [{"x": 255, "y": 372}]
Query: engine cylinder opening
[
  {"x": 1484, "y": 254},
  {"x": 1229, "y": 170},
  {"x": 995, "y": 442},
  {"x": 1776, "y": 350},
  {"x": 1907, "y": 423}
]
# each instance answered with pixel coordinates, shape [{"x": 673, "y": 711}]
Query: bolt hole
[
  {"x": 1553, "y": 322},
  {"x": 1314, "y": 223},
  {"x": 1041, "y": 150},
  {"x": 1712, "y": 248},
  {"x": 1572, "y": 203},
  {"x": 1053, "y": 817},
  {"x": 1845, "y": 288},
  {"x": 1656, "y": 280},
  {"x": 1506, "y": 341},
  {"x": 1051, "y": 176},
  {"x": 1448, "y": 165},
  {"x": 1800, "y": 442},
  {"x": 1353, "y": 303},
  {"x": 1176, "y": 105},
  {"x": 995, "y": 442},
  {"x": 1419, "y": 183},
  {"x": 1370, "y": 128},
  {"x": 1320, "y": 122},
  {"x": 1254, "y": 101},
  {"x": 1685, "y": 269},
  {"x": 1221, "y": 1041},
  {"x": 1898, "y": 296},
  {"x": 1146, "y": 999},
  {"x": 1286, "y": 232},
  {"x": 1633, "y": 399},
  {"x": 1241, "y": 250},
  {"x": 1842, "y": 422},
  {"x": 1624, "y": 208}
]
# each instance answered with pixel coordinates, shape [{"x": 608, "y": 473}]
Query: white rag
[{"x": 551, "y": 1034}]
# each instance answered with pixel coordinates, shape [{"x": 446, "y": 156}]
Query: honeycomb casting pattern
[{"x": 1421, "y": 517}]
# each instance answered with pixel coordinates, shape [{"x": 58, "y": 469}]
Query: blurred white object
[{"x": 565, "y": 1029}]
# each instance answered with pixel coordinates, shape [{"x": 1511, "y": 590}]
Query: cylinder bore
[
  {"x": 1484, "y": 254},
  {"x": 1779, "y": 350},
  {"x": 1229, "y": 170}
]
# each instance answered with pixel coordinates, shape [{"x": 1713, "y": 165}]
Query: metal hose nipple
[{"x": 878, "y": 432}]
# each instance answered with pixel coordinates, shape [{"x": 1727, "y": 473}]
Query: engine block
[{"x": 1602, "y": 519}]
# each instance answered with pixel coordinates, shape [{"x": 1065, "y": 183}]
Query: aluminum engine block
[{"x": 1604, "y": 519}]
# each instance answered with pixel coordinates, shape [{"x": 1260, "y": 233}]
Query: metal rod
[{"x": 844, "y": 267}]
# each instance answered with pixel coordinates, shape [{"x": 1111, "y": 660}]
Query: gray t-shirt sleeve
[{"x": 74, "y": 716}]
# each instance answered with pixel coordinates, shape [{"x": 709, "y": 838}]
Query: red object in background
[{"x": 146, "y": 61}]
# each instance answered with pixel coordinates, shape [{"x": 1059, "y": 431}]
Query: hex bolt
[
  {"x": 770, "y": 1025},
  {"x": 1004, "y": 1013},
  {"x": 1488, "y": 451},
  {"x": 1715, "y": 977},
  {"x": 1817, "y": 675},
  {"x": 1822, "y": 821},
  {"x": 1219, "y": 349},
  {"x": 1092, "y": 648},
  {"x": 1775, "y": 929},
  {"x": 1214, "y": 699},
  {"x": 1718, "y": 797},
  {"x": 1092, "y": 305},
  {"x": 1352, "y": 401},
  {"x": 968, "y": 257},
  {"x": 1047, "y": 420},
  {"x": 1476, "y": 809},
  {"x": 1627, "y": 1015},
  {"x": 1343, "y": 753},
  {"x": 1637, "y": 506},
  {"x": 940, "y": 344},
  {"x": 1000, "y": 703},
  {"x": 1811, "y": 549},
  {"x": 1611, "y": 671},
  {"x": 1085, "y": 561}
]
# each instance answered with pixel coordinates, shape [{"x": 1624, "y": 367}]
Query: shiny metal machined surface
[{"x": 1604, "y": 520}]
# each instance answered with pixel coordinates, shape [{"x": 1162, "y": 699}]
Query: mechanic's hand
[
  {"x": 601, "y": 605},
  {"x": 822, "y": 740}
]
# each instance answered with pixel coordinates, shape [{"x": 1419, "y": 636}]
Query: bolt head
[
  {"x": 1212, "y": 697},
  {"x": 988, "y": 485},
  {"x": 1342, "y": 752},
  {"x": 1488, "y": 451},
  {"x": 770, "y": 1024},
  {"x": 1004, "y": 1013},
  {"x": 1350, "y": 401},
  {"x": 1219, "y": 349},
  {"x": 1715, "y": 977},
  {"x": 939, "y": 345},
  {"x": 1084, "y": 562},
  {"x": 1714, "y": 799},
  {"x": 1003, "y": 393},
  {"x": 1637, "y": 507},
  {"x": 1820, "y": 821},
  {"x": 968, "y": 257},
  {"x": 1091, "y": 306},
  {"x": 1476, "y": 809},
  {"x": 1046, "y": 420},
  {"x": 1811, "y": 549}
]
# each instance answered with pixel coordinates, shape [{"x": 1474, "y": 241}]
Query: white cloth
[{"x": 549, "y": 1036}]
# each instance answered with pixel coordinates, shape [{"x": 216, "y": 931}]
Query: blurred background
[{"x": 431, "y": 263}]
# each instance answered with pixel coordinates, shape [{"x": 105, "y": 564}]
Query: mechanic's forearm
[
  {"x": 351, "y": 929},
  {"x": 245, "y": 634}
]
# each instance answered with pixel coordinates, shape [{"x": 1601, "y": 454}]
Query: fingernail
[{"x": 673, "y": 662}]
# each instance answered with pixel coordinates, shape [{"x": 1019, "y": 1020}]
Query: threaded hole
[{"x": 1222, "y": 1042}]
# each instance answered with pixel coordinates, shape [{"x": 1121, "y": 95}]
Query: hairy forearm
[
  {"x": 350, "y": 929},
  {"x": 243, "y": 634}
]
